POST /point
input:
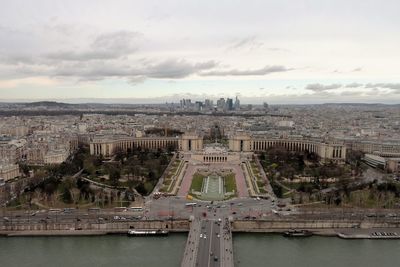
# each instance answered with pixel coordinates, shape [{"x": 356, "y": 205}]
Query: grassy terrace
[
  {"x": 259, "y": 182},
  {"x": 230, "y": 183},
  {"x": 255, "y": 170},
  {"x": 169, "y": 178},
  {"x": 197, "y": 182}
]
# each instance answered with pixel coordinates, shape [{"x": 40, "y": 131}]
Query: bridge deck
[{"x": 209, "y": 244}]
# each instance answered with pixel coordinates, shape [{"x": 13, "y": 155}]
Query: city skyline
[
  {"x": 213, "y": 133},
  {"x": 282, "y": 53}
]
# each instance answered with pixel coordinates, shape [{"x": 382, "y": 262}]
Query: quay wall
[
  {"x": 174, "y": 226},
  {"x": 262, "y": 226},
  {"x": 276, "y": 225}
]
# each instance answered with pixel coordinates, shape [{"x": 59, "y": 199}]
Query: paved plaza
[{"x": 241, "y": 186}]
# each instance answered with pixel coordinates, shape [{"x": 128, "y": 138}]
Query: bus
[
  {"x": 191, "y": 204},
  {"x": 136, "y": 208},
  {"x": 54, "y": 210}
]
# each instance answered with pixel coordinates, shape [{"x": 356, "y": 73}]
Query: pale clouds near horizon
[{"x": 318, "y": 51}]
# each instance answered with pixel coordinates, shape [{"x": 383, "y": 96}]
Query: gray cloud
[
  {"x": 255, "y": 72},
  {"x": 372, "y": 88},
  {"x": 251, "y": 43},
  {"x": 347, "y": 71},
  {"x": 168, "y": 69},
  {"x": 247, "y": 42},
  {"x": 15, "y": 59},
  {"x": 394, "y": 86},
  {"x": 174, "y": 69},
  {"x": 106, "y": 46},
  {"x": 317, "y": 87},
  {"x": 353, "y": 85}
]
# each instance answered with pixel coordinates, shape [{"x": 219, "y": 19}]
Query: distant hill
[{"x": 52, "y": 104}]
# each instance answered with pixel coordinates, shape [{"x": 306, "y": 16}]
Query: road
[
  {"x": 176, "y": 208},
  {"x": 209, "y": 244}
]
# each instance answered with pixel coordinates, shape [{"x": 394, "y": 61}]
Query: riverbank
[{"x": 333, "y": 232}]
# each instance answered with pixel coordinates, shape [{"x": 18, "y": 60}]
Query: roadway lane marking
[{"x": 209, "y": 249}]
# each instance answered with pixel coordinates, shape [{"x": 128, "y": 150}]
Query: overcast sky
[{"x": 275, "y": 51}]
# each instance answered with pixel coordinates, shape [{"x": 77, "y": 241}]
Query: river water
[{"x": 250, "y": 250}]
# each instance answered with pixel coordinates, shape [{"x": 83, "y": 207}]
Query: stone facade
[
  {"x": 326, "y": 151},
  {"x": 9, "y": 171},
  {"x": 240, "y": 142},
  {"x": 108, "y": 146}
]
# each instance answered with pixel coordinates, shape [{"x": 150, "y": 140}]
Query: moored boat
[
  {"x": 297, "y": 233},
  {"x": 147, "y": 232},
  {"x": 373, "y": 235}
]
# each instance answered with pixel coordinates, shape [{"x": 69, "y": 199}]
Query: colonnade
[
  {"x": 212, "y": 159},
  {"x": 107, "y": 148},
  {"x": 260, "y": 145}
]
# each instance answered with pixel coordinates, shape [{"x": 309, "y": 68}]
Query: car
[
  {"x": 201, "y": 235},
  {"x": 215, "y": 258},
  {"x": 218, "y": 235}
]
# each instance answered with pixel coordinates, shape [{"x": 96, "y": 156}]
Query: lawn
[
  {"x": 197, "y": 182},
  {"x": 230, "y": 183}
]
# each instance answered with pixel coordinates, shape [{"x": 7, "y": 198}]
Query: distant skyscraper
[
  {"x": 221, "y": 103},
  {"x": 186, "y": 103},
  {"x": 229, "y": 104},
  {"x": 198, "y": 105},
  {"x": 208, "y": 104},
  {"x": 237, "y": 103}
]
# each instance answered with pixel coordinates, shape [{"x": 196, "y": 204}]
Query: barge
[
  {"x": 297, "y": 233},
  {"x": 374, "y": 235},
  {"x": 147, "y": 233}
]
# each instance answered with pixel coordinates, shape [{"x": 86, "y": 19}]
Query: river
[{"x": 250, "y": 250}]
